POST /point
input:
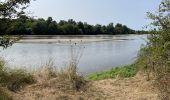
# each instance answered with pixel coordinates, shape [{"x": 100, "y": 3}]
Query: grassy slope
[
  {"x": 68, "y": 85},
  {"x": 124, "y": 71}
]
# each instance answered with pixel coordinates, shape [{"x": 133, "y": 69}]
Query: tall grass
[
  {"x": 4, "y": 95},
  {"x": 71, "y": 72},
  {"x": 68, "y": 77},
  {"x": 14, "y": 79}
]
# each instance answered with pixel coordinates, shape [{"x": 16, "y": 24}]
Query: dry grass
[
  {"x": 52, "y": 83},
  {"x": 136, "y": 88},
  {"x": 15, "y": 79},
  {"x": 4, "y": 95},
  {"x": 67, "y": 77},
  {"x": 67, "y": 84},
  {"x": 163, "y": 84}
]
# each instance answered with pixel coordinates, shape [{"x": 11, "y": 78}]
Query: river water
[{"x": 94, "y": 56}]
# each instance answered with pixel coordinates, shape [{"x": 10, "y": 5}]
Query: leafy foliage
[
  {"x": 10, "y": 10},
  {"x": 51, "y": 27},
  {"x": 155, "y": 57}
]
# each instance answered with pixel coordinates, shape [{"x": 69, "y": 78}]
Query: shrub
[
  {"x": 16, "y": 79},
  {"x": 155, "y": 57}
]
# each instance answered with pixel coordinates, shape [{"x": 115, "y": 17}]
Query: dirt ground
[{"x": 136, "y": 88}]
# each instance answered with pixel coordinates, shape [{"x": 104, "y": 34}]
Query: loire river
[{"x": 96, "y": 56}]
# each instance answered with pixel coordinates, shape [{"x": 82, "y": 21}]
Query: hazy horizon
[{"x": 131, "y": 13}]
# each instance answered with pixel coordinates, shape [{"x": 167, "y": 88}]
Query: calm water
[{"x": 96, "y": 56}]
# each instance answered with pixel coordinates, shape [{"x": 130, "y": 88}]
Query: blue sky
[{"x": 129, "y": 12}]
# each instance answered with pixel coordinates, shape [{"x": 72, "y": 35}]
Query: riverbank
[
  {"x": 72, "y": 38},
  {"x": 61, "y": 40},
  {"x": 136, "y": 88},
  {"x": 67, "y": 85}
]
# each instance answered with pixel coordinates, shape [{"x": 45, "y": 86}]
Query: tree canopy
[
  {"x": 10, "y": 10},
  {"x": 30, "y": 26}
]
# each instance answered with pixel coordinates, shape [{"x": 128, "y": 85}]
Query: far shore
[
  {"x": 66, "y": 40},
  {"x": 70, "y": 38}
]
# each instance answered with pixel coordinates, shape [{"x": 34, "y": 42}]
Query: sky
[{"x": 128, "y": 12}]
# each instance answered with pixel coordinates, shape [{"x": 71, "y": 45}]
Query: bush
[
  {"x": 16, "y": 79},
  {"x": 155, "y": 57}
]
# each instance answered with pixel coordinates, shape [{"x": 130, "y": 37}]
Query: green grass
[{"x": 123, "y": 71}]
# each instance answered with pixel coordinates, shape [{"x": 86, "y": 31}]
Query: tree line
[{"x": 30, "y": 26}]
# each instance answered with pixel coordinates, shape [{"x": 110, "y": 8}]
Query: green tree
[
  {"x": 98, "y": 29},
  {"x": 119, "y": 28},
  {"x": 110, "y": 28},
  {"x": 9, "y": 10},
  {"x": 155, "y": 57},
  {"x": 52, "y": 29},
  {"x": 81, "y": 28},
  {"x": 89, "y": 29},
  {"x": 40, "y": 27},
  {"x": 49, "y": 20}
]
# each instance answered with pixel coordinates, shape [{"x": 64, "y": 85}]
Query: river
[{"x": 94, "y": 56}]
